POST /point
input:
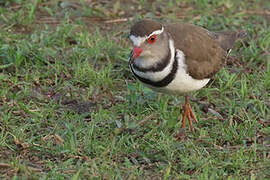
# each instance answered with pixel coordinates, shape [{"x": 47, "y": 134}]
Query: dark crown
[{"x": 144, "y": 28}]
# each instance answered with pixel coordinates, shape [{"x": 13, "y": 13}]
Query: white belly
[
  {"x": 185, "y": 83},
  {"x": 181, "y": 85}
]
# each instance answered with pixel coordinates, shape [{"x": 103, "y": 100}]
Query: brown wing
[{"x": 204, "y": 56}]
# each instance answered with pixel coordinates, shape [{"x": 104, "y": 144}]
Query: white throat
[{"x": 157, "y": 76}]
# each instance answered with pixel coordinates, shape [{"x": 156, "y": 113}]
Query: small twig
[
  {"x": 48, "y": 21},
  {"x": 70, "y": 171},
  {"x": 117, "y": 20},
  {"x": 40, "y": 146},
  {"x": 15, "y": 7},
  {"x": 34, "y": 169},
  {"x": 146, "y": 119},
  {"x": 231, "y": 121},
  {"x": 258, "y": 12},
  {"x": 5, "y": 165}
]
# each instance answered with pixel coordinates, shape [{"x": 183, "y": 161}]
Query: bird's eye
[{"x": 152, "y": 39}]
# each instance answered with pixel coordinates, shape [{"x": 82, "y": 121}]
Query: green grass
[{"x": 71, "y": 109}]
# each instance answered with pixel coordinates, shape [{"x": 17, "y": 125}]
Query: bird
[{"x": 178, "y": 58}]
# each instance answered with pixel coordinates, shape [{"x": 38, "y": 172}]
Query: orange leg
[{"x": 188, "y": 114}]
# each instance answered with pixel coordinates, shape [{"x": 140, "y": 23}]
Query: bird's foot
[{"x": 187, "y": 113}]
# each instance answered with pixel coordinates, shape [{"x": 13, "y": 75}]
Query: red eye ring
[{"x": 152, "y": 39}]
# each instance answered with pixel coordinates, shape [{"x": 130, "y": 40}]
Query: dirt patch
[{"x": 80, "y": 107}]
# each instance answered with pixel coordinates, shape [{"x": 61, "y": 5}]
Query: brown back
[{"x": 204, "y": 56}]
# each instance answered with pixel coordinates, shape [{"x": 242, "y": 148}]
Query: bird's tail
[{"x": 227, "y": 39}]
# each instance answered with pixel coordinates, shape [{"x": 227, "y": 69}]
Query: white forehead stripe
[
  {"x": 156, "y": 32},
  {"x": 137, "y": 40}
]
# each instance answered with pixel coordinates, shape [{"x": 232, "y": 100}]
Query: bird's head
[{"x": 150, "y": 43}]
